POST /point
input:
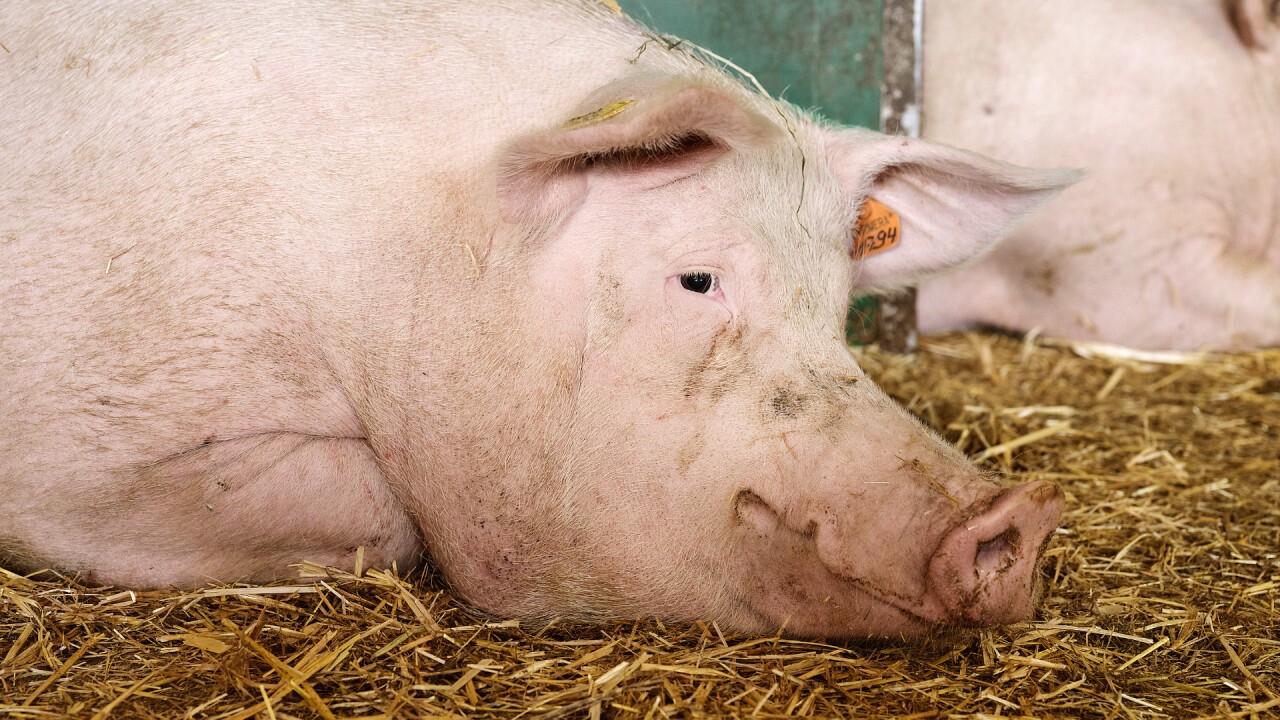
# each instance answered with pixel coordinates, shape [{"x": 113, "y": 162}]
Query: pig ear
[
  {"x": 1256, "y": 22},
  {"x": 645, "y": 137},
  {"x": 947, "y": 206}
]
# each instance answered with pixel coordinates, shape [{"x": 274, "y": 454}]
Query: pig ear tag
[{"x": 879, "y": 229}]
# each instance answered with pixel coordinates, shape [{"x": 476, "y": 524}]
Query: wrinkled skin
[
  {"x": 285, "y": 284},
  {"x": 1172, "y": 240}
]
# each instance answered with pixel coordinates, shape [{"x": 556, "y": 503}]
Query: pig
[
  {"x": 518, "y": 289},
  {"x": 1172, "y": 240}
]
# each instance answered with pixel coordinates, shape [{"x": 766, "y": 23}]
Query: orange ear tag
[{"x": 879, "y": 229}]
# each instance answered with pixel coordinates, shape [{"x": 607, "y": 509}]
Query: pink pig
[
  {"x": 514, "y": 287},
  {"x": 1172, "y": 240}
]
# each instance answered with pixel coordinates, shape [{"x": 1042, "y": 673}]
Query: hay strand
[{"x": 1161, "y": 598}]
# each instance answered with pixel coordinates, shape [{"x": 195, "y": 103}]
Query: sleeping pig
[
  {"x": 1172, "y": 241},
  {"x": 516, "y": 287}
]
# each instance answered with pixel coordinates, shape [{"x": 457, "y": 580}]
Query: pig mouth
[
  {"x": 983, "y": 571},
  {"x": 864, "y": 610}
]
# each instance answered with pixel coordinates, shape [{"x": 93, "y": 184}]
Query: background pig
[
  {"x": 1173, "y": 106},
  {"x": 513, "y": 285}
]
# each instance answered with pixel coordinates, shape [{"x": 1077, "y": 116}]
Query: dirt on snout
[{"x": 1161, "y": 589}]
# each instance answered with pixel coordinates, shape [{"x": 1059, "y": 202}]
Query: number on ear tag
[{"x": 879, "y": 229}]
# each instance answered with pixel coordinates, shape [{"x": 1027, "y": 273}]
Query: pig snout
[
  {"x": 984, "y": 570},
  {"x": 902, "y": 566}
]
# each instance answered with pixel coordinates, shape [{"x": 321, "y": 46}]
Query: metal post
[{"x": 901, "y": 95}]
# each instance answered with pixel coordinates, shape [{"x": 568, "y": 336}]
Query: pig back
[{"x": 213, "y": 210}]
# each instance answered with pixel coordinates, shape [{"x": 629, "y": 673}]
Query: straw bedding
[{"x": 1161, "y": 590}]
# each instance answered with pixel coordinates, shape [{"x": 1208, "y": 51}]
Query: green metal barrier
[
  {"x": 824, "y": 55},
  {"x": 819, "y": 54}
]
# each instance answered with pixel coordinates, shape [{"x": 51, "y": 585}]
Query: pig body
[
  {"x": 1173, "y": 106},
  {"x": 514, "y": 286}
]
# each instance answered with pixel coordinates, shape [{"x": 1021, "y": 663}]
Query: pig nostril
[
  {"x": 997, "y": 554},
  {"x": 985, "y": 571}
]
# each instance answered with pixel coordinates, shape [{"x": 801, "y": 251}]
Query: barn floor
[{"x": 1161, "y": 602}]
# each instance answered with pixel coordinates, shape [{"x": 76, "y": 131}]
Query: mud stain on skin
[
  {"x": 689, "y": 453},
  {"x": 803, "y": 304},
  {"x": 823, "y": 402},
  {"x": 787, "y": 444},
  {"x": 787, "y": 403},
  {"x": 607, "y": 313},
  {"x": 567, "y": 375},
  {"x": 1100, "y": 243},
  {"x": 609, "y": 298},
  {"x": 1045, "y": 280},
  {"x": 721, "y": 369}
]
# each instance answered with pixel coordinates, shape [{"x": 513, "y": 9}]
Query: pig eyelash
[{"x": 703, "y": 283}]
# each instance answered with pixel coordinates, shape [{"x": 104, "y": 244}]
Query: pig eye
[{"x": 700, "y": 282}]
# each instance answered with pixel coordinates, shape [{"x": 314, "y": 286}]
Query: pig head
[{"x": 672, "y": 422}]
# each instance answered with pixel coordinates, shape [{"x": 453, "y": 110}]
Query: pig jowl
[{"x": 424, "y": 282}]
